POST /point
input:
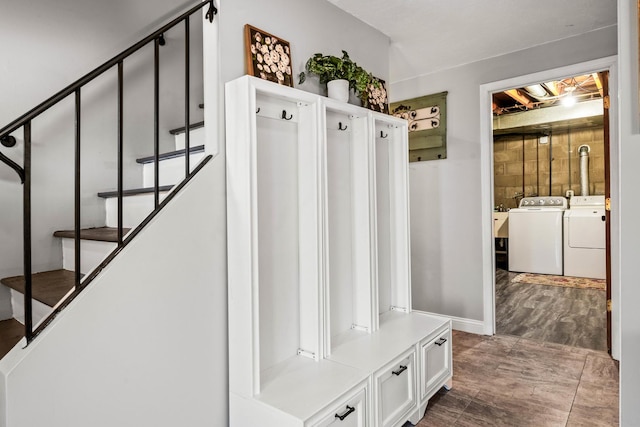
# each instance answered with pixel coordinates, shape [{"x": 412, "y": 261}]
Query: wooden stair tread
[
  {"x": 100, "y": 234},
  {"x": 178, "y": 131},
  {"x": 47, "y": 287},
  {"x": 11, "y": 332},
  {"x": 133, "y": 192},
  {"x": 171, "y": 154}
]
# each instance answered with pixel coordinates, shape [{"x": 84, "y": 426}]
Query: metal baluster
[
  {"x": 120, "y": 150},
  {"x": 187, "y": 146},
  {"x": 77, "y": 192},
  {"x": 26, "y": 195},
  {"x": 156, "y": 122}
]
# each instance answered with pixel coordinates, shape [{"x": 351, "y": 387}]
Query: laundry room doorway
[{"x": 551, "y": 146}]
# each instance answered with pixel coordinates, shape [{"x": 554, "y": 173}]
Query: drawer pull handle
[
  {"x": 399, "y": 371},
  {"x": 350, "y": 409},
  {"x": 441, "y": 341}
]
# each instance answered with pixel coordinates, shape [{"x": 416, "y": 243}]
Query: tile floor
[
  {"x": 562, "y": 315},
  {"x": 513, "y": 381}
]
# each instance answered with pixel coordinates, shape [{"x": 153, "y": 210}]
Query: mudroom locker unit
[{"x": 321, "y": 330}]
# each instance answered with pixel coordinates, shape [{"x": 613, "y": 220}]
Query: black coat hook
[
  {"x": 340, "y": 126},
  {"x": 382, "y": 135},
  {"x": 284, "y": 115},
  {"x": 257, "y": 110}
]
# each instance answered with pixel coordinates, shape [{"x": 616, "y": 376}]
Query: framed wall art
[
  {"x": 376, "y": 97},
  {"x": 267, "y": 56},
  {"x": 427, "y": 117}
]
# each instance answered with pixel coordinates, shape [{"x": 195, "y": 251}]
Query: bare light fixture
[{"x": 569, "y": 100}]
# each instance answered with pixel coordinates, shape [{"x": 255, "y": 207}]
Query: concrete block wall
[{"x": 521, "y": 164}]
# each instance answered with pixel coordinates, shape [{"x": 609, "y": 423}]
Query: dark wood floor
[
  {"x": 519, "y": 382},
  {"x": 11, "y": 331},
  {"x": 561, "y": 315}
]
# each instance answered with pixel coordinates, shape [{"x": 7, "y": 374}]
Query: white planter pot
[{"x": 338, "y": 90}]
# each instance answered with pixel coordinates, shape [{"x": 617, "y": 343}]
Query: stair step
[
  {"x": 171, "y": 154},
  {"x": 133, "y": 192},
  {"x": 11, "y": 332},
  {"x": 182, "y": 129},
  {"x": 100, "y": 234},
  {"x": 47, "y": 287}
]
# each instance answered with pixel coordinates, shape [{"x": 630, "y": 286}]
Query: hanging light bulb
[{"x": 569, "y": 100}]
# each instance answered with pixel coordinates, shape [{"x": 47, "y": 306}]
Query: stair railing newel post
[{"x": 26, "y": 224}]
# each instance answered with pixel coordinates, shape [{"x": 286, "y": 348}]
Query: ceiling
[
  {"x": 566, "y": 92},
  {"x": 433, "y": 35}
]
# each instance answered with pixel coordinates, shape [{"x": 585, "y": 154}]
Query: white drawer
[
  {"x": 435, "y": 363},
  {"x": 395, "y": 390},
  {"x": 351, "y": 412}
]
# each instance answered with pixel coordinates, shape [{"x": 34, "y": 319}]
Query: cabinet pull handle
[
  {"x": 441, "y": 341},
  {"x": 399, "y": 371},
  {"x": 350, "y": 409}
]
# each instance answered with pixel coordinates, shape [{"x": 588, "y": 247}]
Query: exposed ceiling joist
[
  {"x": 596, "y": 78},
  {"x": 519, "y": 97},
  {"x": 548, "y": 115},
  {"x": 553, "y": 88}
]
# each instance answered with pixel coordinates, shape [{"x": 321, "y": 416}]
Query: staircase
[{"x": 51, "y": 287}]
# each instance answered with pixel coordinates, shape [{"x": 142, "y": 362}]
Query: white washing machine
[
  {"x": 585, "y": 238},
  {"x": 535, "y": 235}
]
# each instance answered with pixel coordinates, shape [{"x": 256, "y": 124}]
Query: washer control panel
[{"x": 557, "y": 202}]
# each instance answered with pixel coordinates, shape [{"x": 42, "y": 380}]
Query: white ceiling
[{"x": 432, "y": 35}]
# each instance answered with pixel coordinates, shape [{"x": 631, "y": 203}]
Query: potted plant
[{"x": 340, "y": 75}]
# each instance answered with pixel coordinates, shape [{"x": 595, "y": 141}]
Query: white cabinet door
[
  {"x": 395, "y": 390},
  {"x": 352, "y": 412},
  {"x": 435, "y": 356}
]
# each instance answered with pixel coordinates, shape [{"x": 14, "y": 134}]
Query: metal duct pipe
[{"x": 584, "y": 150}]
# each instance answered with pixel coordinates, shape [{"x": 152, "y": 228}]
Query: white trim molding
[{"x": 461, "y": 324}]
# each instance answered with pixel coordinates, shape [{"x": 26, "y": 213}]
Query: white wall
[
  {"x": 47, "y": 46},
  {"x": 630, "y": 212},
  {"x": 310, "y": 26},
  {"x": 96, "y": 341},
  {"x": 144, "y": 344},
  {"x": 445, "y": 195}
]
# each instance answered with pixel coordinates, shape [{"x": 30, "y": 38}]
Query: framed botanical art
[
  {"x": 427, "y": 117},
  {"x": 267, "y": 56}
]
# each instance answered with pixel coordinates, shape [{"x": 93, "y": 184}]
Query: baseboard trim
[{"x": 460, "y": 324}]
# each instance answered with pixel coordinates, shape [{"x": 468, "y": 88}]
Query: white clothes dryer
[
  {"x": 585, "y": 238},
  {"x": 535, "y": 235}
]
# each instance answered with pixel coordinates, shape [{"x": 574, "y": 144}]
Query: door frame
[{"x": 486, "y": 159}]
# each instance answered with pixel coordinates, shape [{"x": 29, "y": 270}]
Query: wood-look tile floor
[
  {"x": 11, "y": 332},
  {"x": 513, "y": 381},
  {"x": 561, "y": 315}
]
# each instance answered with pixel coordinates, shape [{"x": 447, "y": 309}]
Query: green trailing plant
[{"x": 328, "y": 67}]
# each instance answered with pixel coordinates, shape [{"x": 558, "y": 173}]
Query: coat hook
[
  {"x": 257, "y": 110},
  {"x": 340, "y": 126},
  {"x": 382, "y": 135},
  {"x": 284, "y": 115}
]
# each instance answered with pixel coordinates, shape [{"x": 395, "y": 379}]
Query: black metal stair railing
[{"x": 24, "y": 171}]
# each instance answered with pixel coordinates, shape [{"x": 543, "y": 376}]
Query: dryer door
[{"x": 586, "y": 228}]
